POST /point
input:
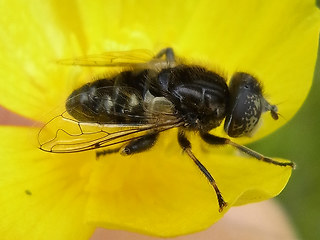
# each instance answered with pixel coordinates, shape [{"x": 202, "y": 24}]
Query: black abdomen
[{"x": 118, "y": 99}]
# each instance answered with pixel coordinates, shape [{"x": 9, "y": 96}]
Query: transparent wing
[
  {"x": 64, "y": 134},
  {"x": 134, "y": 58}
]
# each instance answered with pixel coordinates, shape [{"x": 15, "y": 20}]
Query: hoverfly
[{"x": 153, "y": 96}]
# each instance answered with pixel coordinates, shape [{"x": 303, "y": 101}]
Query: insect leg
[
  {"x": 107, "y": 151},
  {"x": 168, "y": 52},
  {"x": 140, "y": 144},
  {"x": 211, "y": 139},
  {"x": 186, "y": 146}
]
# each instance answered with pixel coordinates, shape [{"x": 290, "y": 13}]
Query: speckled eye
[{"x": 246, "y": 103}]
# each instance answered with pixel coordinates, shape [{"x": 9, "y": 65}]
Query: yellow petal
[
  {"x": 157, "y": 192},
  {"x": 41, "y": 195}
]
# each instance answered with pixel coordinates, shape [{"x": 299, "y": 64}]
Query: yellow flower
[{"x": 160, "y": 191}]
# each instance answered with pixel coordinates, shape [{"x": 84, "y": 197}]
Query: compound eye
[{"x": 245, "y": 105}]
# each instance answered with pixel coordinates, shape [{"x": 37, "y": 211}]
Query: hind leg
[
  {"x": 141, "y": 144},
  {"x": 134, "y": 146}
]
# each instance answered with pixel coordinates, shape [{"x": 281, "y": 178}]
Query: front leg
[{"x": 212, "y": 139}]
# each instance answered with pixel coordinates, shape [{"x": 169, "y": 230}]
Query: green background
[{"x": 299, "y": 141}]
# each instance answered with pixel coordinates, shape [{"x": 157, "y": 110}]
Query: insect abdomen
[{"x": 112, "y": 100}]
